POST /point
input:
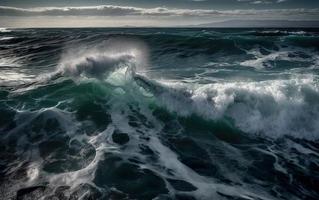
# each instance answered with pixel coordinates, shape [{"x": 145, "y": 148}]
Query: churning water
[{"x": 159, "y": 114}]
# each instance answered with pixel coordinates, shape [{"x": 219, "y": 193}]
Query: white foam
[
  {"x": 4, "y": 30},
  {"x": 261, "y": 61},
  {"x": 168, "y": 164},
  {"x": 33, "y": 172},
  {"x": 285, "y": 32},
  {"x": 273, "y": 108},
  {"x": 100, "y": 60},
  {"x": 6, "y": 38}
]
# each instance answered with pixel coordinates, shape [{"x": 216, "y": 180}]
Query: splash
[{"x": 98, "y": 61}]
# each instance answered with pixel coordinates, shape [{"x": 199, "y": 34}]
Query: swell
[{"x": 166, "y": 41}]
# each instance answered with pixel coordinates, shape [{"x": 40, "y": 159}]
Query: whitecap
[
  {"x": 6, "y": 38},
  {"x": 4, "y": 30}
]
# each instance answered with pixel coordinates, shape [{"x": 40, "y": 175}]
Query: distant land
[{"x": 261, "y": 24}]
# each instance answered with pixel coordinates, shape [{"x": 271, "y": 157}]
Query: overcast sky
[{"x": 79, "y": 13}]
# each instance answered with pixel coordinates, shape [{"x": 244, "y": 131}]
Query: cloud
[
  {"x": 111, "y": 10},
  {"x": 262, "y": 1}
]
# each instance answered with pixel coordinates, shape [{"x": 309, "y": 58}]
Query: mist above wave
[{"x": 99, "y": 60}]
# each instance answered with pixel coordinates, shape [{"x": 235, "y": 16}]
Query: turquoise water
[{"x": 159, "y": 114}]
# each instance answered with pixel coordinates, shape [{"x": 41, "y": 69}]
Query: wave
[
  {"x": 272, "y": 108},
  {"x": 102, "y": 59},
  {"x": 270, "y": 59},
  {"x": 96, "y": 65},
  {"x": 4, "y": 30},
  {"x": 267, "y": 109},
  {"x": 278, "y": 33}
]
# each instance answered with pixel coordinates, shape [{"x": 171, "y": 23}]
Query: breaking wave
[
  {"x": 104, "y": 58},
  {"x": 278, "y": 33}
]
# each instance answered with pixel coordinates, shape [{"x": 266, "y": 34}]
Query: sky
[{"x": 114, "y": 13}]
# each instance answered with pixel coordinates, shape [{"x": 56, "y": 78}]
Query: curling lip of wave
[
  {"x": 101, "y": 59},
  {"x": 96, "y": 66}
]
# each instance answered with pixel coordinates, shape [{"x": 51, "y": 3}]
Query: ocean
[{"x": 159, "y": 113}]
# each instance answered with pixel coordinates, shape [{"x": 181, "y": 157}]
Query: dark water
[{"x": 159, "y": 114}]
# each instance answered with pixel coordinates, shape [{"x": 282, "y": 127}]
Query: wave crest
[
  {"x": 270, "y": 108},
  {"x": 100, "y": 60}
]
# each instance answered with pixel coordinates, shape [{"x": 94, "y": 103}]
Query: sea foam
[{"x": 270, "y": 108}]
